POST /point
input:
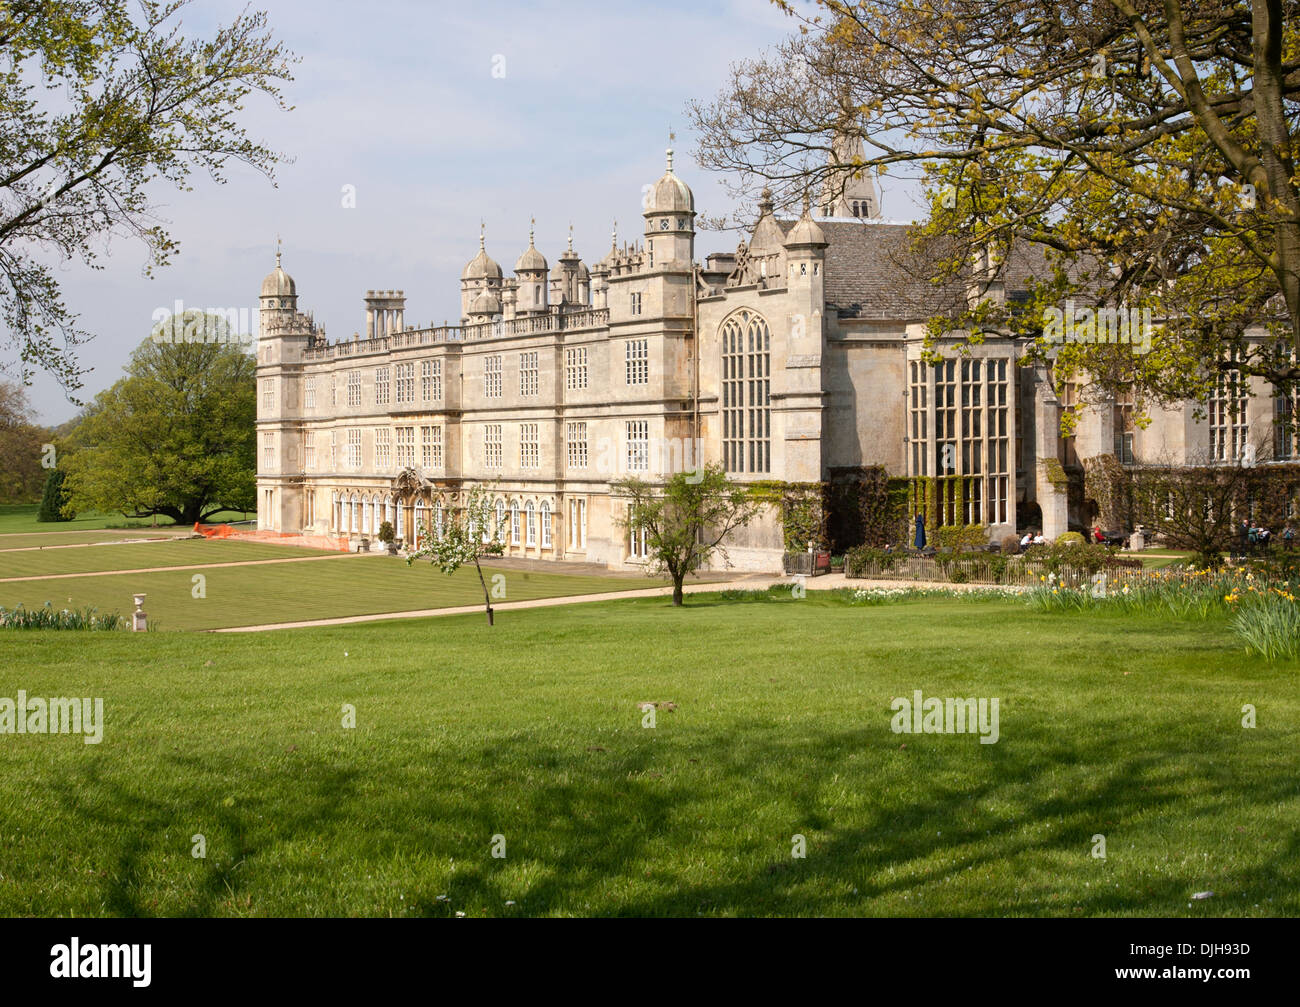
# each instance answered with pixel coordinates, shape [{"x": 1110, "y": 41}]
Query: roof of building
[{"x": 874, "y": 272}]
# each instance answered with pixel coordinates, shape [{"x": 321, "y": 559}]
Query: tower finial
[
  {"x": 278, "y": 244},
  {"x": 482, "y": 226},
  {"x": 571, "y": 236},
  {"x": 613, "y": 237},
  {"x": 807, "y": 203},
  {"x": 532, "y": 224}
]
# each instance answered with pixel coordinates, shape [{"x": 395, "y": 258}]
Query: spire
[
  {"x": 571, "y": 236},
  {"x": 672, "y": 136},
  {"x": 613, "y": 237},
  {"x": 278, "y": 246},
  {"x": 532, "y": 223},
  {"x": 482, "y": 225}
]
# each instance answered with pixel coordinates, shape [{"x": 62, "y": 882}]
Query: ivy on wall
[
  {"x": 925, "y": 494},
  {"x": 803, "y": 518},
  {"x": 1106, "y": 483},
  {"x": 1055, "y": 472},
  {"x": 856, "y": 506}
]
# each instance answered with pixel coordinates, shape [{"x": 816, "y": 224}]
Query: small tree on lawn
[
  {"x": 460, "y": 540},
  {"x": 685, "y": 520}
]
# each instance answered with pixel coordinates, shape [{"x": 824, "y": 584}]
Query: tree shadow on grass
[{"x": 609, "y": 829}]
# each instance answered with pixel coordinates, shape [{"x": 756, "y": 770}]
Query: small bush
[
  {"x": 859, "y": 559},
  {"x": 54, "y": 501},
  {"x": 386, "y": 532},
  {"x": 1010, "y": 545},
  {"x": 1079, "y": 557},
  {"x": 960, "y": 537},
  {"x": 1206, "y": 560},
  {"x": 1071, "y": 538}
]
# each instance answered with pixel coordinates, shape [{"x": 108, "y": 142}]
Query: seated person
[
  {"x": 1097, "y": 535},
  {"x": 1039, "y": 539},
  {"x": 1027, "y": 540}
]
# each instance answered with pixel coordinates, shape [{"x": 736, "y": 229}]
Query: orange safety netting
[{"x": 277, "y": 537}]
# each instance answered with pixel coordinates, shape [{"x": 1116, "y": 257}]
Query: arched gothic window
[
  {"x": 746, "y": 393},
  {"x": 546, "y": 524},
  {"x": 532, "y": 523},
  {"x": 514, "y": 522}
]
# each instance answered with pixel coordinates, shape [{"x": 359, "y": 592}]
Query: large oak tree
[
  {"x": 1144, "y": 148},
  {"x": 176, "y": 437}
]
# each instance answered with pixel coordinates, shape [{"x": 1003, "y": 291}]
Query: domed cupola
[
  {"x": 481, "y": 275},
  {"x": 486, "y": 304},
  {"x": 532, "y": 261},
  {"x": 482, "y": 266},
  {"x": 806, "y": 233},
  {"x": 670, "y": 221},
  {"x": 530, "y": 272},
  {"x": 670, "y": 194},
  {"x": 279, "y": 285}
]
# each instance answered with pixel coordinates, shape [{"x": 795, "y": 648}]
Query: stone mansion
[{"x": 796, "y": 355}]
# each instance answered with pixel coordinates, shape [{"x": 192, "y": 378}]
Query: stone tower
[
  {"x": 804, "y": 404},
  {"x": 670, "y": 221},
  {"x": 284, "y": 334},
  {"x": 530, "y": 270},
  {"x": 482, "y": 275},
  {"x": 848, "y": 192}
]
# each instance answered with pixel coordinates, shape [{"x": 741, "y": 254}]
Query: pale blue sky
[{"x": 398, "y": 99}]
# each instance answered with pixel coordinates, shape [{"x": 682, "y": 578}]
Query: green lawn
[
  {"x": 1163, "y": 558},
  {"x": 46, "y": 540},
  {"x": 22, "y": 518},
  {"x": 1124, "y": 727},
  {"x": 284, "y": 592},
  {"x": 142, "y": 556}
]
